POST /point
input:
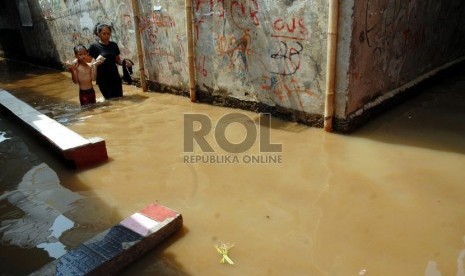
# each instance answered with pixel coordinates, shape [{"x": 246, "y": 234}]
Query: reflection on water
[
  {"x": 60, "y": 225},
  {"x": 43, "y": 203},
  {"x": 3, "y": 137},
  {"x": 386, "y": 200}
]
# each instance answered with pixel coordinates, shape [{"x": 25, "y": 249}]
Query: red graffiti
[
  {"x": 144, "y": 23},
  {"x": 210, "y": 5},
  {"x": 414, "y": 38},
  {"x": 233, "y": 47},
  {"x": 285, "y": 88},
  {"x": 295, "y": 29},
  {"x": 201, "y": 67},
  {"x": 128, "y": 21},
  {"x": 197, "y": 25},
  {"x": 199, "y": 3},
  {"x": 163, "y": 21},
  {"x": 239, "y": 11}
]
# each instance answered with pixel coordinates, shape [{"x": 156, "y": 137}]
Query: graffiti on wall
[
  {"x": 294, "y": 29},
  {"x": 73, "y": 23},
  {"x": 395, "y": 42},
  {"x": 164, "y": 47},
  {"x": 285, "y": 81},
  {"x": 263, "y": 52},
  {"x": 392, "y": 29},
  {"x": 250, "y": 48}
]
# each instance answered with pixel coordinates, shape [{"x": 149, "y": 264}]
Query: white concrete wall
[
  {"x": 164, "y": 39},
  {"x": 265, "y": 51},
  {"x": 270, "y": 52},
  {"x": 71, "y": 22}
]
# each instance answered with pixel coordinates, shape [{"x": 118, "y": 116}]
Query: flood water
[{"x": 388, "y": 199}]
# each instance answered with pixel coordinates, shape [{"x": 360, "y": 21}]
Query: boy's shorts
[{"x": 87, "y": 96}]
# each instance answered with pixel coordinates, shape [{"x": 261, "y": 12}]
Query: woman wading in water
[{"x": 108, "y": 78}]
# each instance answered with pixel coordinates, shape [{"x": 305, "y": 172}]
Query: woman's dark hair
[
  {"x": 99, "y": 27},
  {"x": 79, "y": 47}
]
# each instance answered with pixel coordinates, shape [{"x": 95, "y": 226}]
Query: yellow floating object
[{"x": 223, "y": 250}]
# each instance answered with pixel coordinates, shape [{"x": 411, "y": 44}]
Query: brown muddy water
[{"x": 388, "y": 199}]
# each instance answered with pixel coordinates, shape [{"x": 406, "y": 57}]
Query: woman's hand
[{"x": 100, "y": 59}]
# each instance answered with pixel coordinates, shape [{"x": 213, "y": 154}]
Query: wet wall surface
[
  {"x": 396, "y": 42},
  {"x": 385, "y": 200}
]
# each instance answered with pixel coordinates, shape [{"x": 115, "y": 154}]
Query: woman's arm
[
  {"x": 118, "y": 60},
  {"x": 93, "y": 68}
]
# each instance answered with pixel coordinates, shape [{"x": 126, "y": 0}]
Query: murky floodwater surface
[{"x": 386, "y": 200}]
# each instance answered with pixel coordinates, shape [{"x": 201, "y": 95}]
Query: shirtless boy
[{"x": 83, "y": 72}]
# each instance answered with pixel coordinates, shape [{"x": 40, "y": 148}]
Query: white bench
[{"x": 73, "y": 147}]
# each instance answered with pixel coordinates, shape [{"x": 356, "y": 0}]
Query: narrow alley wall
[
  {"x": 273, "y": 52},
  {"x": 395, "y": 43},
  {"x": 164, "y": 39},
  {"x": 11, "y": 45},
  {"x": 254, "y": 52},
  {"x": 263, "y": 55},
  {"x": 72, "y": 22}
]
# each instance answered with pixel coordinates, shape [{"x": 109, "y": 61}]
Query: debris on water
[{"x": 223, "y": 250}]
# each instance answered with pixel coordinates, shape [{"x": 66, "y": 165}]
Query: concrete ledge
[
  {"x": 80, "y": 151},
  {"x": 110, "y": 251}
]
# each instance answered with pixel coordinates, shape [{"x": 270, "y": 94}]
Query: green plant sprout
[{"x": 223, "y": 251}]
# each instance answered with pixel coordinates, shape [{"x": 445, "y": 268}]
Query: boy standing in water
[{"x": 83, "y": 72}]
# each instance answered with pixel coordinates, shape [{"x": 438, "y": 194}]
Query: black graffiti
[
  {"x": 290, "y": 57},
  {"x": 386, "y": 25}
]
